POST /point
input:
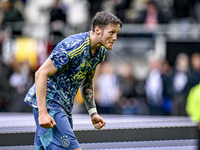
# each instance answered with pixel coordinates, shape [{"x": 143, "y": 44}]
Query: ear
[{"x": 97, "y": 30}]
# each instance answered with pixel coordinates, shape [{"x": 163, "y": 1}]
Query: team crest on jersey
[
  {"x": 65, "y": 141},
  {"x": 63, "y": 59}
]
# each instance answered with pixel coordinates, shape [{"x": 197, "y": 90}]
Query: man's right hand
[{"x": 46, "y": 121}]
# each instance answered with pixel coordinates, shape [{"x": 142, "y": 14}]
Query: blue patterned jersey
[{"x": 73, "y": 59}]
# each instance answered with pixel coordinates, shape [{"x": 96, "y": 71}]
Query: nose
[{"x": 114, "y": 37}]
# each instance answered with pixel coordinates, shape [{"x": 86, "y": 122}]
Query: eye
[{"x": 112, "y": 32}]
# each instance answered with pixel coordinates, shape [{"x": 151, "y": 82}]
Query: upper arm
[
  {"x": 60, "y": 57},
  {"x": 47, "y": 68}
]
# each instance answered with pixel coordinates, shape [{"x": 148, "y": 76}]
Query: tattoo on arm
[{"x": 87, "y": 91}]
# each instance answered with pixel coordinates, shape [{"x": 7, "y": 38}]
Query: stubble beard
[
  {"x": 101, "y": 42},
  {"x": 100, "y": 39}
]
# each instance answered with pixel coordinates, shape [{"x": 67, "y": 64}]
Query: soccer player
[{"x": 71, "y": 65}]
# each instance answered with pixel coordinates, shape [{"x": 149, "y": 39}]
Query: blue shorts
[{"x": 60, "y": 137}]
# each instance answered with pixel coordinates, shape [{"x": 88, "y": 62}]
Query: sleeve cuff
[{"x": 92, "y": 111}]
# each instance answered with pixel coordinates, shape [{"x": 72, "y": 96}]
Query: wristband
[{"x": 92, "y": 111}]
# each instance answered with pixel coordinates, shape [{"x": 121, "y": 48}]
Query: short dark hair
[{"x": 103, "y": 18}]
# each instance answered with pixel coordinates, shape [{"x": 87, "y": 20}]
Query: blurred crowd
[
  {"x": 53, "y": 18},
  {"x": 30, "y": 29}
]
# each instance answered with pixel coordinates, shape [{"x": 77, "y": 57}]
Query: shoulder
[
  {"x": 74, "y": 41},
  {"x": 72, "y": 47}
]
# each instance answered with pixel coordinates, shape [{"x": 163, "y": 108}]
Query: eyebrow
[{"x": 113, "y": 30}]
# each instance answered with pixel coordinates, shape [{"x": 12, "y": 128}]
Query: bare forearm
[
  {"x": 41, "y": 89},
  {"x": 47, "y": 69}
]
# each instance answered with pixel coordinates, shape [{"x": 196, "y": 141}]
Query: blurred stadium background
[{"x": 150, "y": 71}]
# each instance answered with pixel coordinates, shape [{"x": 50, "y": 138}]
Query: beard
[
  {"x": 103, "y": 43},
  {"x": 100, "y": 39}
]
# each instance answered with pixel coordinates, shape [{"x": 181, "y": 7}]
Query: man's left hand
[{"x": 98, "y": 121}]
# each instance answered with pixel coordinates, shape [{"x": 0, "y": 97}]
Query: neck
[{"x": 94, "y": 43}]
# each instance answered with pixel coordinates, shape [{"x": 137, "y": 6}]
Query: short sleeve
[{"x": 59, "y": 57}]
